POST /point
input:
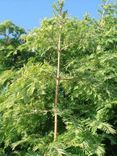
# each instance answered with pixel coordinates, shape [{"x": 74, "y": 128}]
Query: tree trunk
[{"x": 57, "y": 89}]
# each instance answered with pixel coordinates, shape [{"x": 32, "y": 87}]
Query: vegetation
[{"x": 58, "y": 86}]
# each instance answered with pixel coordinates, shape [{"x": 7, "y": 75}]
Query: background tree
[{"x": 10, "y": 39}]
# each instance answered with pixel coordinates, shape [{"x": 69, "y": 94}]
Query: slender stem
[{"x": 57, "y": 90}]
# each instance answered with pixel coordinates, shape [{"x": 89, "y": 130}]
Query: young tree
[{"x": 60, "y": 24}]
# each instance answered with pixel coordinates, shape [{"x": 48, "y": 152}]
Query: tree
[
  {"x": 10, "y": 40},
  {"x": 87, "y": 86}
]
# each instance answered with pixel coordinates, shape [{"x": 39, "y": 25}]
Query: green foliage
[
  {"x": 10, "y": 40},
  {"x": 87, "y": 106}
]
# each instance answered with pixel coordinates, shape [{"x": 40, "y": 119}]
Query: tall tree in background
[{"x": 10, "y": 40}]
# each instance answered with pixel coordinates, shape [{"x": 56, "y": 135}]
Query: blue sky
[{"x": 29, "y": 13}]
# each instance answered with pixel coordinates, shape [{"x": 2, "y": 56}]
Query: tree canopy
[{"x": 87, "y": 92}]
